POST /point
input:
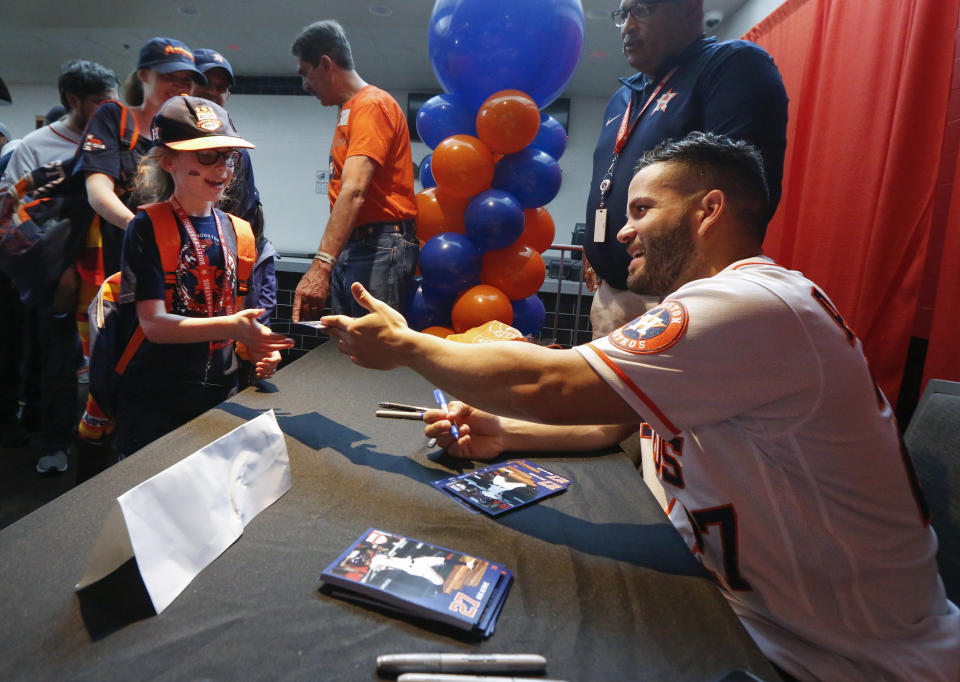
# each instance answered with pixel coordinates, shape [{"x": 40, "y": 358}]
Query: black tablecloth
[{"x": 603, "y": 582}]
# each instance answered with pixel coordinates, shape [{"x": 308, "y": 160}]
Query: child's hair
[
  {"x": 155, "y": 184},
  {"x": 133, "y": 89},
  {"x": 256, "y": 224}
]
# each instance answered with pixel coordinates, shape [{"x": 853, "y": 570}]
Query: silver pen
[
  {"x": 460, "y": 663},
  {"x": 400, "y": 414},
  {"x": 444, "y": 677}
]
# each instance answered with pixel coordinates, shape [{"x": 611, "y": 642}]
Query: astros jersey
[
  {"x": 372, "y": 124},
  {"x": 783, "y": 470}
]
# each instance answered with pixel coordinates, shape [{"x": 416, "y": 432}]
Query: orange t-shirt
[{"x": 372, "y": 124}]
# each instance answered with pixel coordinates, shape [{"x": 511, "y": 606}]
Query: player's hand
[
  {"x": 259, "y": 340},
  {"x": 372, "y": 340},
  {"x": 590, "y": 277},
  {"x": 481, "y": 433},
  {"x": 312, "y": 291}
]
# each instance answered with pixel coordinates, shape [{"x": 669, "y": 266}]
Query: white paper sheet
[{"x": 183, "y": 518}]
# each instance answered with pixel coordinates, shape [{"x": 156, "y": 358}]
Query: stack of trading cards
[
  {"x": 416, "y": 578},
  {"x": 498, "y": 488}
]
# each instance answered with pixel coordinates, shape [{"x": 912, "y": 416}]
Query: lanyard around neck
[
  {"x": 204, "y": 271},
  {"x": 626, "y": 130}
]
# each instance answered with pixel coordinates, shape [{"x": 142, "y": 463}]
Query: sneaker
[{"x": 55, "y": 462}]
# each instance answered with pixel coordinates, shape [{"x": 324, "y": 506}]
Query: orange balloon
[
  {"x": 538, "y": 229},
  {"x": 479, "y": 305},
  {"x": 439, "y": 212},
  {"x": 517, "y": 271},
  {"x": 436, "y": 330},
  {"x": 462, "y": 166},
  {"x": 508, "y": 121}
]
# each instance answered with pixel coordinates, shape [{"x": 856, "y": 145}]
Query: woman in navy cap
[
  {"x": 190, "y": 321},
  {"x": 115, "y": 140}
]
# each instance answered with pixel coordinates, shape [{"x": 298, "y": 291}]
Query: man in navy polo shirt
[{"x": 684, "y": 82}]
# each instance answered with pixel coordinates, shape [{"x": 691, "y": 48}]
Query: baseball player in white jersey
[{"x": 779, "y": 456}]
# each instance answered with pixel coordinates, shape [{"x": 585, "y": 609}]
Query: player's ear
[{"x": 713, "y": 204}]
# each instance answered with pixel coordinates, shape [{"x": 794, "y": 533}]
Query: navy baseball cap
[
  {"x": 211, "y": 59},
  {"x": 167, "y": 55},
  {"x": 186, "y": 123}
]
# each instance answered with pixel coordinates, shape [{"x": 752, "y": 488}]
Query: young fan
[
  {"x": 165, "y": 68},
  {"x": 188, "y": 364}
]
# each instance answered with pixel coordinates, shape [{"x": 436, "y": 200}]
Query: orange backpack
[{"x": 115, "y": 331}]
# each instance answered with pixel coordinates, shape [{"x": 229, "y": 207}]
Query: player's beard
[{"x": 666, "y": 257}]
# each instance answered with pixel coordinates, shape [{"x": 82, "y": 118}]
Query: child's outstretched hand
[
  {"x": 267, "y": 365},
  {"x": 259, "y": 340}
]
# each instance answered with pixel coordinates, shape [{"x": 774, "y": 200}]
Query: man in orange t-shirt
[{"x": 371, "y": 234}]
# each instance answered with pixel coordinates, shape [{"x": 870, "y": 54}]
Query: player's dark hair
[
  {"x": 719, "y": 162},
  {"x": 82, "y": 78},
  {"x": 323, "y": 38}
]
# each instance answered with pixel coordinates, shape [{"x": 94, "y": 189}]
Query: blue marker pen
[{"x": 442, "y": 402}]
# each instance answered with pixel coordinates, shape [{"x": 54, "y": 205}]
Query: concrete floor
[{"x": 22, "y": 489}]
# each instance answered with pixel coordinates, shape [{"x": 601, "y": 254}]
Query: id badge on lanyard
[{"x": 623, "y": 134}]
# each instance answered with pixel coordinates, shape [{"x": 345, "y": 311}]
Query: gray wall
[{"x": 748, "y": 16}]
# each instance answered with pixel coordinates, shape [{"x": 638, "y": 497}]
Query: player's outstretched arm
[
  {"x": 512, "y": 379},
  {"x": 485, "y": 436}
]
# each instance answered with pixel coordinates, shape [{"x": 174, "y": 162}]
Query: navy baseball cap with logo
[
  {"x": 167, "y": 55},
  {"x": 211, "y": 59},
  {"x": 186, "y": 123}
]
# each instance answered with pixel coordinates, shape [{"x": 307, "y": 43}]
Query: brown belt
[{"x": 407, "y": 227}]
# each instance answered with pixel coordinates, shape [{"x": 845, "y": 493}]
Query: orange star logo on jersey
[
  {"x": 665, "y": 100},
  {"x": 654, "y": 331}
]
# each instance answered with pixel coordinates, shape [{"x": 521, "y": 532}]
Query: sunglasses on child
[{"x": 208, "y": 157}]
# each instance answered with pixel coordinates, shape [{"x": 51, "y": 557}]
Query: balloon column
[{"x": 480, "y": 218}]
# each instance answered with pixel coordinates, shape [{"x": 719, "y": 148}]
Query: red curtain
[
  {"x": 943, "y": 352},
  {"x": 868, "y": 84}
]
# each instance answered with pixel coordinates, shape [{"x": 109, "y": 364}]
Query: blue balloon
[
  {"x": 494, "y": 220},
  {"x": 427, "y": 307},
  {"x": 479, "y": 47},
  {"x": 442, "y": 116},
  {"x": 450, "y": 262},
  {"x": 551, "y": 138},
  {"x": 426, "y": 175},
  {"x": 531, "y": 175},
  {"x": 529, "y": 315}
]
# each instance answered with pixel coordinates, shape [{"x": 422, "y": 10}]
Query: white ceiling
[{"x": 389, "y": 37}]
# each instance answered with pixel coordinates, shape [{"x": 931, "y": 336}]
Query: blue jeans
[{"x": 383, "y": 263}]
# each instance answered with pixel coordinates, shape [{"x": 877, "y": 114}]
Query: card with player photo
[
  {"x": 499, "y": 488},
  {"x": 415, "y": 578}
]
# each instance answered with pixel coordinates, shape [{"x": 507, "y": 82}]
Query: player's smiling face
[{"x": 659, "y": 233}]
